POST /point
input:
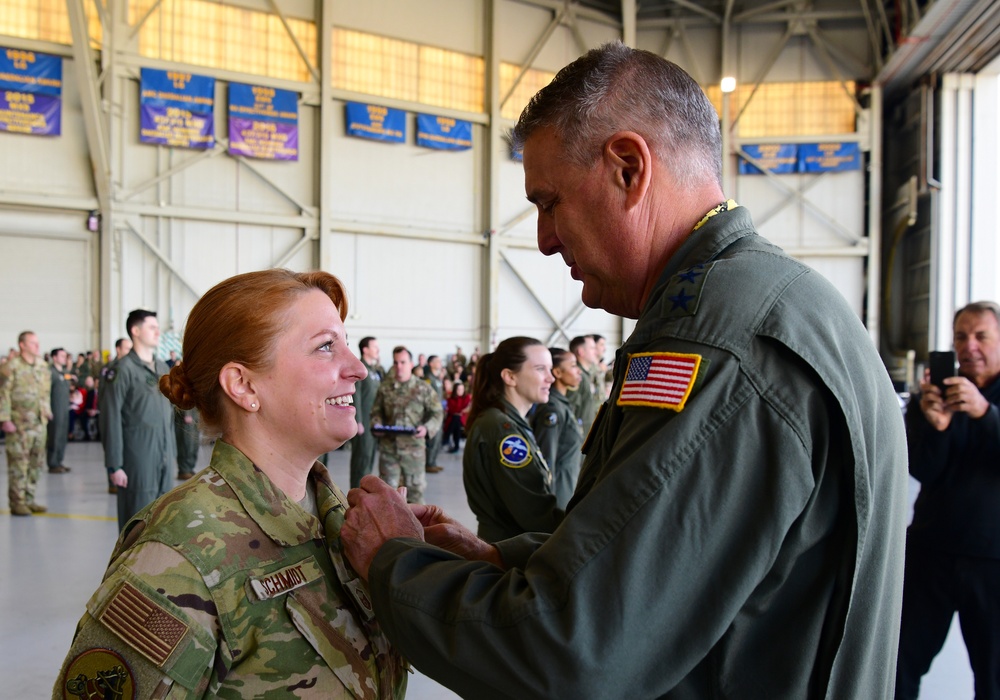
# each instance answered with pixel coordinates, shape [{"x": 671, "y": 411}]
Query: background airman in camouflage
[
  {"x": 25, "y": 409},
  {"x": 403, "y": 400}
]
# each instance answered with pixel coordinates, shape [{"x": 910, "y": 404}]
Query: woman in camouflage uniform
[
  {"x": 233, "y": 585},
  {"x": 507, "y": 480}
]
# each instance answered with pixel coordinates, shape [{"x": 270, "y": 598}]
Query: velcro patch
[
  {"x": 659, "y": 379},
  {"x": 143, "y": 624},
  {"x": 514, "y": 452},
  {"x": 98, "y": 673}
]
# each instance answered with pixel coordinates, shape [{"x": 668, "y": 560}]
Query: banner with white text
[
  {"x": 176, "y": 109},
  {"x": 263, "y": 122}
]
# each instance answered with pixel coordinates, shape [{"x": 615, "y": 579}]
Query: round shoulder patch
[
  {"x": 98, "y": 673},
  {"x": 514, "y": 452},
  {"x": 552, "y": 419},
  {"x": 108, "y": 374}
]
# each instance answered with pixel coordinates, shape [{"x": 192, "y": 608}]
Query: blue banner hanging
[
  {"x": 443, "y": 133},
  {"x": 28, "y": 71},
  {"x": 376, "y": 122},
  {"x": 27, "y": 113},
  {"x": 829, "y": 157},
  {"x": 176, "y": 109},
  {"x": 778, "y": 158},
  {"x": 30, "y": 92},
  {"x": 263, "y": 122}
]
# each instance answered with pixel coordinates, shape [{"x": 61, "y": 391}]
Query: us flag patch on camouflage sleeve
[
  {"x": 143, "y": 624},
  {"x": 659, "y": 379}
]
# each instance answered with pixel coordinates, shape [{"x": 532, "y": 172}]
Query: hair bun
[{"x": 176, "y": 387}]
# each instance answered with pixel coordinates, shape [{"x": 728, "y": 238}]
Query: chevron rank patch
[
  {"x": 659, "y": 379},
  {"x": 143, "y": 624},
  {"x": 514, "y": 452}
]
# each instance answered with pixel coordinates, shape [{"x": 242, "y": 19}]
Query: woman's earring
[{"x": 253, "y": 405}]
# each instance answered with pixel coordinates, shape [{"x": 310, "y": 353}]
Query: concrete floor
[{"x": 51, "y": 564}]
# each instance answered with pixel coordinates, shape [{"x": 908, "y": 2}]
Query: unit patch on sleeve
[
  {"x": 143, "y": 624},
  {"x": 659, "y": 379},
  {"x": 514, "y": 452},
  {"x": 98, "y": 673}
]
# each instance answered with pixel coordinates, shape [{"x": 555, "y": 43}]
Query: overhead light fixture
[{"x": 728, "y": 84}]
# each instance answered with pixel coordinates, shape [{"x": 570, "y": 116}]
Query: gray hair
[
  {"x": 615, "y": 88},
  {"x": 979, "y": 307}
]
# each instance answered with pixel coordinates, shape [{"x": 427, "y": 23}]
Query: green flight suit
[
  {"x": 748, "y": 544},
  {"x": 364, "y": 447},
  {"x": 227, "y": 589},
  {"x": 139, "y": 426},
  {"x": 507, "y": 479},
  {"x": 58, "y": 428},
  {"x": 434, "y": 441},
  {"x": 560, "y": 437},
  {"x": 584, "y": 399},
  {"x": 188, "y": 438}
]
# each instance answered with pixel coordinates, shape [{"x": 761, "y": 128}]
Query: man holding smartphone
[{"x": 953, "y": 542}]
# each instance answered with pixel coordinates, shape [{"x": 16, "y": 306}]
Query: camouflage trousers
[
  {"x": 25, "y": 456},
  {"x": 403, "y": 465}
]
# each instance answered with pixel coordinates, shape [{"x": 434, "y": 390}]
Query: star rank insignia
[{"x": 683, "y": 292}]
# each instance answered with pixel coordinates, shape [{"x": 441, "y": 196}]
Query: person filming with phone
[{"x": 953, "y": 542}]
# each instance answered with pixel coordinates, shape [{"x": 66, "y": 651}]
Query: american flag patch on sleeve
[
  {"x": 144, "y": 625},
  {"x": 659, "y": 379}
]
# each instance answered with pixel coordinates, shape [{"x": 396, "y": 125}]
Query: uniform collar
[
  {"x": 278, "y": 516},
  {"x": 716, "y": 231},
  {"x": 514, "y": 414}
]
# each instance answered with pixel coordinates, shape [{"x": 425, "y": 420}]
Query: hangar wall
[{"x": 435, "y": 248}]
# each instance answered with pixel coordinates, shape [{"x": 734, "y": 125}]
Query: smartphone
[{"x": 942, "y": 364}]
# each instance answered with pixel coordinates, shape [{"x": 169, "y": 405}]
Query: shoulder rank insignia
[
  {"x": 684, "y": 291},
  {"x": 99, "y": 673},
  {"x": 659, "y": 379},
  {"x": 514, "y": 452}
]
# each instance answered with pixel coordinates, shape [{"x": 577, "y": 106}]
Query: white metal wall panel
[
  {"x": 45, "y": 282},
  {"x": 424, "y": 294},
  {"x": 401, "y": 183}
]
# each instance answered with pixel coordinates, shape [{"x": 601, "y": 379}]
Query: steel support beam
[
  {"x": 490, "y": 172},
  {"x": 533, "y": 54}
]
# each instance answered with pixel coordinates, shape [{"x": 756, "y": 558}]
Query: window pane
[{"x": 790, "y": 109}]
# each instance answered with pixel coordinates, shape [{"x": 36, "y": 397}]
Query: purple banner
[
  {"x": 257, "y": 139},
  {"x": 263, "y": 122},
  {"x": 28, "y": 113},
  {"x": 173, "y": 126}
]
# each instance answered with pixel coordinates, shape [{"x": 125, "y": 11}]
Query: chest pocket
[{"x": 336, "y": 636}]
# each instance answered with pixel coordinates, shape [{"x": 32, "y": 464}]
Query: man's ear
[
  {"x": 629, "y": 156},
  {"x": 237, "y": 383}
]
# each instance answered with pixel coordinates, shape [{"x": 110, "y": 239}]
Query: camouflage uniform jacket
[
  {"x": 25, "y": 396},
  {"x": 225, "y": 588},
  {"x": 506, "y": 477},
  {"x": 411, "y": 403}
]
